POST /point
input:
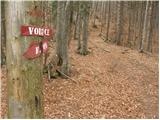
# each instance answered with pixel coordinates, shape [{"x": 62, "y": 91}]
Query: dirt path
[{"x": 109, "y": 85}]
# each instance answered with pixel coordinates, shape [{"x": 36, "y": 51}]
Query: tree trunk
[
  {"x": 24, "y": 76},
  {"x": 85, "y": 18},
  {"x": 129, "y": 25},
  {"x": 95, "y": 14},
  {"x": 79, "y": 26},
  {"x": 119, "y": 22},
  {"x": 75, "y": 26},
  {"x": 144, "y": 28},
  {"x": 102, "y": 16},
  {"x": 62, "y": 35},
  {"x": 70, "y": 22},
  {"x": 141, "y": 24},
  {"x": 149, "y": 34},
  {"x": 108, "y": 22},
  {"x": 3, "y": 34},
  {"x": 135, "y": 23}
]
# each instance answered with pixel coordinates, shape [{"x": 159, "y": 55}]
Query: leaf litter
[{"x": 114, "y": 84}]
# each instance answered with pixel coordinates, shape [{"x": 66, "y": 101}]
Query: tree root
[{"x": 67, "y": 76}]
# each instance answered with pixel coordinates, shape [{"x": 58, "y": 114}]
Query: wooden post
[{"x": 24, "y": 76}]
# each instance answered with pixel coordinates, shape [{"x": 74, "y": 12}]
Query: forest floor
[{"x": 121, "y": 83}]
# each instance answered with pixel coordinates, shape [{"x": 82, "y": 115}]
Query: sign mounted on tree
[
  {"x": 35, "y": 49},
  {"x": 36, "y": 31}
]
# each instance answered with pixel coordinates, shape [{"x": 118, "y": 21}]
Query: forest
[{"x": 79, "y": 59}]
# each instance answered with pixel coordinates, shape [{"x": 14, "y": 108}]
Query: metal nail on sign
[
  {"x": 35, "y": 31},
  {"x": 35, "y": 49}
]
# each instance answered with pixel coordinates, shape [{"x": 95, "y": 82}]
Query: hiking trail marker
[
  {"x": 36, "y": 48},
  {"x": 36, "y": 31}
]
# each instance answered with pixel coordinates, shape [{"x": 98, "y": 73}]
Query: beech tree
[
  {"x": 79, "y": 27},
  {"x": 144, "y": 28},
  {"x": 85, "y": 23},
  {"x": 150, "y": 27},
  {"x": 62, "y": 35},
  {"x": 119, "y": 22},
  {"x": 108, "y": 20},
  {"x": 24, "y": 76}
]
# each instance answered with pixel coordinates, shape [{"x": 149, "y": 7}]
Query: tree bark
[
  {"x": 144, "y": 28},
  {"x": 129, "y": 25},
  {"x": 119, "y": 22},
  {"x": 79, "y": 26},
  {"x": 108, "y": 22},
  {"x": 24, "y": 76},
  {"x": 85, "y": 18},
  {"x": 3, "y": 34},
  {"x": 62, "y": 35},
  {"x": 149, "y": 34},
  {"x": 95, "y": 14}
]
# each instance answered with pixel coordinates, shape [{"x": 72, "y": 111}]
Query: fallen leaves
[{"x": 122, "y": 92}]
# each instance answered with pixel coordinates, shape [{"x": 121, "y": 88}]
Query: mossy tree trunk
[{"x": 24, "y": 76}]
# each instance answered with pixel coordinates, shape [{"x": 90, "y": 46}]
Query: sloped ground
[{"x": 121, "y": 83}]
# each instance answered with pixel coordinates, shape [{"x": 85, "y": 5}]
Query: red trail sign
[
  {"x": 35, "y": 49},
  {"x": 35, "y": 31}
]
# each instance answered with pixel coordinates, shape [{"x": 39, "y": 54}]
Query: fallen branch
[{"x": 67, "y": 76}]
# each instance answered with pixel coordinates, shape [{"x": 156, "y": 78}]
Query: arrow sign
[
  {"x": 35, "y": 49},
  {"x": 35, "y": 31}
]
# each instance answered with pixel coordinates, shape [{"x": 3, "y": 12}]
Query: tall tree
[
  {"x": 108, "y": 20},
  {"x": 150, "y": 28},
  {"x": 79, "y": 27},
  {"x": 140, "y": 23},
  {"x": 3, "y": 34},
  {"x": 144, "y": 28},
  {"x": 95, "y": 13},
  {"x": 119, "y": 22},
  {"x": 24, "y": 76},
  {"x": 85, "y": 19},
  {"x": 62, "y": 35}
]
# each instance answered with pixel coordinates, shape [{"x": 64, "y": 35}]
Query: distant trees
[
  {"x": 121, "y": 23},
  {"x": 82, "y": 27},
  {"x": 129, "y": 23}
]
